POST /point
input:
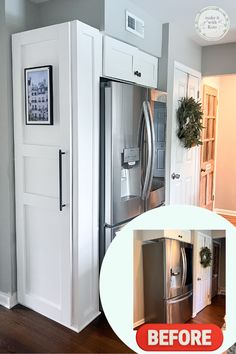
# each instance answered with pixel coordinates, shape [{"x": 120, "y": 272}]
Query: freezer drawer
[{"x": 179, "y": 309}]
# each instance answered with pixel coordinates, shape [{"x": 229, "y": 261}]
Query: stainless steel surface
[
  {"x": 149, "y": 164},
  {"x": 156, "y": 198},
  {"x": 123, "y": 104},
  {"x": 167, "y": 271},
  {"x": 61, "y": 204},
  {"x": 175, "y": 176},
  {"x": 179, "y": 309},
  {"x": 152, "y": 150}
]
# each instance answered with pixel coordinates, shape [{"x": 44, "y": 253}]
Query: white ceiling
[{"x": 183, "y": 13}]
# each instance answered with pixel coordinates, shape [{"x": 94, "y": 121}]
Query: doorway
[
  {"x": 218, "y": 172},
  {"x": 215, "y": 268}
]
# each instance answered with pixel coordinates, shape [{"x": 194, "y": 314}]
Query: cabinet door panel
[
  {"x": 118, "y": 59},
  {"x": 147, "y": 66}
]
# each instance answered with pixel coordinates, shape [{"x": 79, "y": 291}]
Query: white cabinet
[
  {"x": 118, "y": 59},
  {"x": 58, "y": 246},
  {"x": 125, "y": 62},
  {"x": 146, "y": 65},
  {"x": 181, "y": 235}
]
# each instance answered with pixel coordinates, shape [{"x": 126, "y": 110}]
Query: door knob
[
  {"x": 203, "y": 170},
  {"x": 175, "y": 176},
  {"x": 199, "y": 279}
]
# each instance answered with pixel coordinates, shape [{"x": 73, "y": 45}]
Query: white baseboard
[
  {"x": 139, "y": 323},
  {"x": 8, "y": 300},
  {"x": 194, "y": 314},
  {"x": 225, "y": 212}
]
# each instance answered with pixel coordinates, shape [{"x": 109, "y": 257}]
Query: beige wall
[
  {"x": 226, "y": 146},
  {"x": 225, "y": 176}
]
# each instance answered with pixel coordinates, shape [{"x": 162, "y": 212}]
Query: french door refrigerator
[
  {"x": 131, "y": 157},
  {"x": 168, "y": 281}
]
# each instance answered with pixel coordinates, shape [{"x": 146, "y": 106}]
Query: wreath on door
[
  {"x": 205, "y": 257},
  {"x": 190, "y": 117}
]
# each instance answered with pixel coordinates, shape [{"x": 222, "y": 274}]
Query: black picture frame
[{"x": 39, "y": 95}]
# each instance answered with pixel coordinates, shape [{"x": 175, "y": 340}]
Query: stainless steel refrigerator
[
  {"x": 168, "y": 281},
  {"x": 132, "y": 155}
]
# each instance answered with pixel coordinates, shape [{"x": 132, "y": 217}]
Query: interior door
[
  {"x": 184, "y": 181},
  {"x": 43, "y": 178},
  {"x": 203, "y": 275},
  {"x": 215, "y": 268},
  {"x": 210, "y": 103}
]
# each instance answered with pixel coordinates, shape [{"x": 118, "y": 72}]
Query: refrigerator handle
[
  {"x": 148, "y": 171},
  {"x": 184, "y": 266},
  {"x": 151, "y": 122}
]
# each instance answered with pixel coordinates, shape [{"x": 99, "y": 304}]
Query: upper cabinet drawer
[
  {"x": 118, "y": 59},
  {"x": 146, "y": 65},
  {"x": 125, "y": 62}
]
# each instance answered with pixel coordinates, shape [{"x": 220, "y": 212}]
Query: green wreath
[
  {"x": 205, "y": 257},
  {"x": 189, "y": 117}
]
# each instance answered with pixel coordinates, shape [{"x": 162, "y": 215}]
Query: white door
[
  {"x": 202, "y": 279},
  {"x": 43, "y": 230},
  {"x": 184, "y": 171}
]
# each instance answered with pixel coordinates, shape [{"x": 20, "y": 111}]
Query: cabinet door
[
  {"x": 118, "y": 59},
  {"x": 43, "y": 175},
  {"x": 181, "y": 235},
  {"x": 147, "y": 66}
]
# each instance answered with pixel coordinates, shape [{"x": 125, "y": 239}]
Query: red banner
[{"x": 179, "y": 337}]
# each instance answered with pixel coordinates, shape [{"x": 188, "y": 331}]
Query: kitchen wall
[
  {"x": 225, "y": 195},
  {"x": 15, "y": 15},
  {"x": 185, "y": 51},
  {"x": 58, "y": 11},
  {"x": 114, "y": 25},
  {"x": 219, "y": 59}
]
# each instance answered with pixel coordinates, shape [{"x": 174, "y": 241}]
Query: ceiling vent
[{"x": 134, "y": 25}]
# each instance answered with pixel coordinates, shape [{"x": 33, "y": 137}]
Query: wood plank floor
[
  {"x": 231, "y": 219},
  {"x": 25, "y": 331},
  {"x": 213, "y": 314}
]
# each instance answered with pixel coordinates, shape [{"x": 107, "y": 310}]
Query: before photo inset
[{"x": 179, "y": 277}]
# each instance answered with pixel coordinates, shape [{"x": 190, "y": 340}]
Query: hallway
[{"x": 213, "y": 314}]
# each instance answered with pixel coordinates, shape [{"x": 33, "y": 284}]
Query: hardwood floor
[
  {"x": 231, "y": 219},
  {"x": 25, "y": 331},
  {"x": 213, "y": 314}
]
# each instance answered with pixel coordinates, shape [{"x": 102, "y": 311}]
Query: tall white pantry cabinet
[{"x": 57, "y": 250}]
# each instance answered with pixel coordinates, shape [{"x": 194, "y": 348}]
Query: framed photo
[{"x": 39, "y": 95}]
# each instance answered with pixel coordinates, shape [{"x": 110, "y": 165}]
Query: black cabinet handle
[
  {"x": 180, "y": 236},
  {"x": 61, "y": 205},
  {"x": 136, "y": 73}
]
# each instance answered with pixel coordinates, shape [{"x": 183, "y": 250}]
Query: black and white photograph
[{"x": 39, "y": 101}]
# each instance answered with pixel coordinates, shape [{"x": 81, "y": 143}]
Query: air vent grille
[{"x": 134, "y": 25}]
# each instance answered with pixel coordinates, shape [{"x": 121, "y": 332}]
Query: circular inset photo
[{"x": 170, "y": 267}]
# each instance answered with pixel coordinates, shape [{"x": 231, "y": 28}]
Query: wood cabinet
[{"x": 125, "y": 62}]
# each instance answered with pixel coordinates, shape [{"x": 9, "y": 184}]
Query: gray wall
[
  {"x": 222, "y": 264},
  {"x": 15, "y": 15},
  {"x": 58, "y": 11},
  {"x": 219, "y": 59},
  {"x": 114, "y": 25},
  {"x": 185, "y": 51}
]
